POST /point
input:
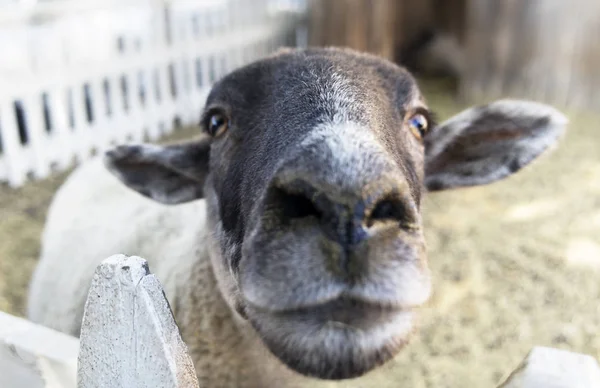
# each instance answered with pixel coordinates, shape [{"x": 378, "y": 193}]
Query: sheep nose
[{"x": 344, "y": 218}]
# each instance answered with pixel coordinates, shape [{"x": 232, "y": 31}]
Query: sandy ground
[{"x": 516, "y": 264}]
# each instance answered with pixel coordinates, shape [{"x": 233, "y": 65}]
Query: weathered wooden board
[
  {"x": 34, "y": 356},
  {"x": 359, "y": 24},
  {"x": 128, "y": 337},
  {"x": 555, "y": 368},
  {"x": 543, "y": 50}
]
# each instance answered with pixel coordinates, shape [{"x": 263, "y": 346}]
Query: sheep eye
[
  {"x": 418, "y": 125},
  {"x": 217, "y": 124}
]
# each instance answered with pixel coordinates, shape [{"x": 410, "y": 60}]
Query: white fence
[
  {"x": 129, "y": 339},
  {"x": 77, "y": 76}
]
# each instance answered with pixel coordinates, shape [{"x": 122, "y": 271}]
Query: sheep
[{"x": 288, "y": 235}]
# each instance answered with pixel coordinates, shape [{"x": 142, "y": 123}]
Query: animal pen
[{"x": 77, "y": 77}]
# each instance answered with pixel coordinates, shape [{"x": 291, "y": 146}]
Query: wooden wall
[
  {"x": 548, "y": 50},
  {"x": 360, "y": 24},
  {"x": 393, "y": 29}
]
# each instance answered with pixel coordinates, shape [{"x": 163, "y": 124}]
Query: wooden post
[
  {"x": 554, "y": 368},
  {"x": 129, "y": 338},
  {"x": 34, "y": 356},
  {"x": 399, "y": 30},
  {"x": 544, "y": 50},
  {"x": 363, "y": 25}
]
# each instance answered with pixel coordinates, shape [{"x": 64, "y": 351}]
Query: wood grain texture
[
  {"x": 129, "y": 337},
  {"x": 555, "y": 368},
  {"x": 34, "y": 356},
  {"x": 545, "y": 50},
  {"x": 363, "y": 25},
  {"x": 398, "y": 30}
]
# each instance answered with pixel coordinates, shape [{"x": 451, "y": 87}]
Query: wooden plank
[
  {"x": 34, "y": 356},
  {"x": 62, "y": 149},
  {"x": 81, "y": 133},
  {"x": 38, "y": 138},
  {"x": 359, "y": 24},
  {"x": 554, "y": 368},
  {"x": 3, "y": 167},
  {"x": 100, "y": 124},
  {"x": 542, "y": 50},
  {"x": 13, "y": 150},
  {"x": 139, "y": 114},
  {"x": 129, "y": 337}
]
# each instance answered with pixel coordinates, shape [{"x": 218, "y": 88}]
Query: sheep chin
[{"x": 315, "y": 345}]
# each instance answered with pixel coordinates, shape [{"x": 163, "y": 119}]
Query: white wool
[{"x": 102, "y": 217}]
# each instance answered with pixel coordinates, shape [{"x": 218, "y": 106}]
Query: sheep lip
[{"x": 341, "y": 311}]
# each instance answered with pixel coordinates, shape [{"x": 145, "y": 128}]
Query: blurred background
[{"x": 516, "y": 264}]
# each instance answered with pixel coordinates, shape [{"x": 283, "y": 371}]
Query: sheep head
[{"x": 313, "y": 165}]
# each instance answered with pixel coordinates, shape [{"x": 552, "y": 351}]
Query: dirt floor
[{"x": 516, "y": 264}]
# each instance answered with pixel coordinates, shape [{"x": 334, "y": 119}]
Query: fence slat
[
  {"x": 119, "y": 122},
  {"x": 62, "y": 149},
  {"x": 38, "y": 138},
  {"x": 137, "y": 122},
  {"x": 34, "y": 356},
  {"x": 151, "y": 106},
  {"x": 554, "y": 368},
  {"x": 129, "y": 337},
  {"x": 100, "y": 125},
  {"x": 81, "y": 128},
  {"x": 13, "y": 150}
]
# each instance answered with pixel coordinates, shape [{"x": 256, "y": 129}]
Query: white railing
[
  {"x": 78, "y": 76},
  {"x": 129, "y": 339}
]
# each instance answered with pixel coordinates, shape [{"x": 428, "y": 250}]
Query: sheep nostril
[
  {"x": 388, "y": 209},
  {"x": 295, "y": 206}
]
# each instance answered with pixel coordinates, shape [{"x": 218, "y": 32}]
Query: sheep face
[{"x": 313, "y": 166}]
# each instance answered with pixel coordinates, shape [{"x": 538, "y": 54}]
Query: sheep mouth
[
  {"x": 340, "y": 339},
  {"x": 345, "y": 312}
]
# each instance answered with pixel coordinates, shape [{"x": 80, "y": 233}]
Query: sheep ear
[
  {"x": 170, "y": 174},
  {"x": 488, "y": 143}
]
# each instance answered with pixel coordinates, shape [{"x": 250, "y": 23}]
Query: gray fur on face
[{"x": 313, "y": 197}]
